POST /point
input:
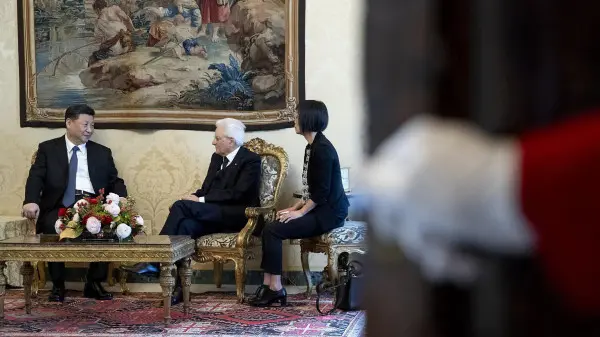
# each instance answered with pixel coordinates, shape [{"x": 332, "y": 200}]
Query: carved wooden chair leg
[
  {"x": 110, "y": 278},
  {"x": 240, "y": 278},
  {"x": 218, "y": 273},
  {"x": 36, "y": 280},
  {"x": 41, "y": 274},
  {"x": 306, "y": 268},
  {"x": 123, "y": 282},
  {"x": 332, "y": 263}
]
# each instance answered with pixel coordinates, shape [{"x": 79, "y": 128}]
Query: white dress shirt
[
  {"x": 82, "y": 180},
  {"x": 230, "y": 156}
]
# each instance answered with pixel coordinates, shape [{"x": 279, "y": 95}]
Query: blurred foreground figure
[{"x": 485, "y": 141}]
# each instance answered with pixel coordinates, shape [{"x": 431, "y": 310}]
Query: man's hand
[
  {"x": 190, "y": 197},
  {"x": 31, "y": 210},
  {"x": 286, "y": 217}
]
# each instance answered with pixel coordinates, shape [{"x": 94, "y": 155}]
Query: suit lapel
[
  {"x": 92, "y": 157},
  {"x": 63, "y": 157},
  {"x": 213, "y": 169}
]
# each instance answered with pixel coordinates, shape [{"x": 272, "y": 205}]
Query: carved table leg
[
  {"x": 185, "y": 273},
  {"x": 167, "y": 282},
  {"x": 27, "y": 272},
  {"x": 35, "y": 284},
  {"x": 3, "y": 282}
]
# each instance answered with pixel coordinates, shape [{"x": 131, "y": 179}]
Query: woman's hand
[
  {"x": 286, "y": 210},
  {"x": 286, "y": 216}
]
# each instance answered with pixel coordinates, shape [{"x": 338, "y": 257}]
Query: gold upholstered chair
[{"x": 220, "y": 248}]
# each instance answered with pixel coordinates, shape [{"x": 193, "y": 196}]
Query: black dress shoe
[
  {"x": 57, "y": 294},
  {"x": 258, "y": 293},
  {"x": 143, "y": 268},
  {"x": 95, "y": 290},
  {"x": 269, "y": 297}
]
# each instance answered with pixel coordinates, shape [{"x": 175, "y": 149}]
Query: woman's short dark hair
[
  {"x": 74, "y": 111},
  {"x": 312, "y": 116}
]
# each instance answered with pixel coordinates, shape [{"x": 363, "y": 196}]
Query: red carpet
[{"x": 211, "y": 314}]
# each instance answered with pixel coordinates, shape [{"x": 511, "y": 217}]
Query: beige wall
[{"x": 159, "y": 166}]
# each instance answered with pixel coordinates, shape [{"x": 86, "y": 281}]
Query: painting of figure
[{"x": 162, "y": 63}]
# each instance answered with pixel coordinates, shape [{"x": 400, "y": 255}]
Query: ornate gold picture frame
[{"x": 162, "y": 64}]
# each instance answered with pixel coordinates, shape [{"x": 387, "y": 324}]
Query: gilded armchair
[{"x": 237, "y": 247}]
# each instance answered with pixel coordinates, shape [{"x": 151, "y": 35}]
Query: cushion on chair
[
  {"x": 353, "y": 232},
  {"x": 223, "y": 240},
  {"x": 269, "y": 176}
]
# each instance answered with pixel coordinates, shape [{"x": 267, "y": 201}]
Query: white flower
[
  {"x": 57, "y": 226},
  {"x": 113, "y": 198},
  {"x": 123, "y": 231},
  {"x": 76, "y": 217},
  {"x": 112, "y": 208},
  {"x": 139, "y": 220},
  {"x": 93, "y": 225},
  {"x": 80, "y": 204}
]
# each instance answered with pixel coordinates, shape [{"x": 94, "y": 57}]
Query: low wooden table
[{"x": 152, "y": 248}]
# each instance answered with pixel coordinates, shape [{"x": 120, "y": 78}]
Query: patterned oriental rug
[{"x": 140, "y": 314}]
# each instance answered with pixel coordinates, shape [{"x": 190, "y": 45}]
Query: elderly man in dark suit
[
  {"x": 231, "y": 185},
  {"x": 65, "y": 170}
]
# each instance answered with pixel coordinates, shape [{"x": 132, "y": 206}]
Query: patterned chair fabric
[
  {"x": 10, "y": 227},
  {"x": 353, "y": 232}
]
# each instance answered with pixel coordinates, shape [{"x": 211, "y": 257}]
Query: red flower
[
  {"x": 62, "y": 212},
  {"x": 106, "y": 219},
  {"x": 85, "y": 219},
  {"x": 62, "y": 227},
  {"x": 93, "y": 201}
]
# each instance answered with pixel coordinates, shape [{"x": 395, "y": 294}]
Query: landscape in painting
[{"x": 160, "y": 54}]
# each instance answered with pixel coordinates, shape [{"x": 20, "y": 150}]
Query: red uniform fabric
[{"x": 560, "y": 197}]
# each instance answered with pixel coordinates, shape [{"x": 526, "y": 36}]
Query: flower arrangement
[{"x": 100, "y": 218}]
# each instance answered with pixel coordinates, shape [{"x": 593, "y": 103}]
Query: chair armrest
[
  {"x": 255, "y": 212},
  {"x": 252, "y": 213}
]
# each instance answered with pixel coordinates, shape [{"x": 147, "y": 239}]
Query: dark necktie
[
  {"x": 225, "y": 161},
  {"x": 69, "y": 197}
]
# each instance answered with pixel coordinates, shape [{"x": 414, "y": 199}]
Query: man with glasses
[
  {"x": 67, "y": 169},
  {"x": 231, "y": 185}
]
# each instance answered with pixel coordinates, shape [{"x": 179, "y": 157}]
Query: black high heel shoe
[
  {"x": 269, "y": 297},
  {"x": 258, "y": 293}
]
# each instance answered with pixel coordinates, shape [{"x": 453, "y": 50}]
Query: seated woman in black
[{"x": 324, "y": 205}]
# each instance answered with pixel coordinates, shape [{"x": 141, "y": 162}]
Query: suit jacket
[
  {"x": 324, "y": 179},
  {"x": 234, "y": 188},
  {"x": 49, "y": 174}
]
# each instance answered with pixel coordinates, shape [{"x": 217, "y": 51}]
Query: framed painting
[{"x": 162, "y": 64}]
